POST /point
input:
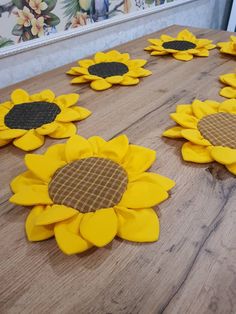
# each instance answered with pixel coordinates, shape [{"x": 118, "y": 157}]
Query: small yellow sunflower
[
  {"x": 210, "y": 128},
  {"x": 86, "y": 192},
  {"x": 109, "y": 68},
  {"x": 228, "y": 47},
  {"x": 229, "y": 91},
  {"x": 26, "y": 119},
  {"x": 183, "y": 47}
]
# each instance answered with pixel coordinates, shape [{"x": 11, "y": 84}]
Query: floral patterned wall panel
[{"x": 23, "y": 20}]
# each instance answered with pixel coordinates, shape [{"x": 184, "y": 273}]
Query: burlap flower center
[
  {"x": 31, "y": 115},
  {"x": 106, "y": 69},
  {"x": 219, "y": 129},
  {"x": 89, "y": 184},
  {"x": 180, "y": 45}
]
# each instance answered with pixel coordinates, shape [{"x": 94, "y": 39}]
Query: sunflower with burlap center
[
  {"x": 26, "y": 119},
  {"x": 183, "y": 47},
  {"x": 209, "y": 127},
  {"x": 85, "y": 192},
  {"x": 109, "y": 68}
]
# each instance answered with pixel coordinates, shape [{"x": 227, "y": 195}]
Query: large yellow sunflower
[
  {"x": 229, "y": 91},
  {"x": 228, "y": 47},
  {"x": 210, "y": 128},
  {"x": 26, "y": 119},
  {"x": 109, "y": 68},
  {"x": 183, "y": 47},
  {"x": 86, "y": 192}
]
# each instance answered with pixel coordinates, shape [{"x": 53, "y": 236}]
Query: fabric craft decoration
[
  {"x": 86, "y": 192},
  {"x": 26, "y": 119},
  {"x": 183, "y": 47},
  {"x": 229, "y": 91},
  {"x": 210, "y": 128},
  {"x": 228, "y": 47},
  {"x": 109, "y": 68}
]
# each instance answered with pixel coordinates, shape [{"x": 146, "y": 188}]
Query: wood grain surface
[{"x": 192, "y": 268}]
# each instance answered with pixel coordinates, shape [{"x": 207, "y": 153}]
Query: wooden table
[{"x": 192, "y": 268}]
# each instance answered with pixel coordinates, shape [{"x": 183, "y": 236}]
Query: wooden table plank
[{"x": 191, "y": 269}]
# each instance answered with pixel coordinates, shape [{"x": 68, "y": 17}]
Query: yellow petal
[
  {"x": 100, "y": 227},
  {"x": 228, "y": 106},
  {"x": 11, "y": 133},
  {"x": 185, "y": 34},
  {"x": 139, "y": 72},
  {"x": 55, "y": 213},
  {"x": 83, "y": 112},
  {"x": 137, "y": 63},
  {"x": 202, "y": 52},
  {"x": 78, "y": 80},
  {"x": 37, "y": 233},
  {"x": 203, "y": 43},
  {"x": 63, "y": 130},
  {"x": 43, "y": 166},
  {"x": 29, "y": 141},
  {"x": 229, "y": 79},
  {"x": 86, "y": 63},
  {"x": 47, "y": 95},
  {"x": 77, "y": 147},
  {"x": 140, "y": 225},
  {"x": 46, "y": 129},
  {"x": 56, "y": 152},
  {"x": 113, "y": 55},
  {"x": 155, "y": 41},
  {"x": 116, "y": 148},
  {"x": 100, "y": 57},
  {"x": 67, "y": 100},
  {"x": 138, "y": 159},
  {"x": 67, "y": 115},
  {"x": 184, "y": 108},
  {"x": 174, "y": 132},
  {"x": 80, "y": 70},
  {"x": 25, "y": 179},
  {"x": 101, "y": 84},
  {"x": 166, "y": 38},
  {"x": 155, "y": 178},
  {"x": 4, "y": 142},
  {"x": 182, "y": 56},
  {"x": 19, "y": 96},
  {"x": 195, "y": 137},
  {"x": 32, "y": 195},
  {"x": 96, "y": 143},
  {"x": 143, "y": 194},
  {"x": 196, "y": 153},
  {"x": 231, "y": 168},
  {"x": 224, "y": 155},
  {"x": 116, "y": 79},
  {"x": 228, "y": 92},
  {"x": 129, "y": 81},
  {"x": 159, "y": 53},
  {"x": 68, "y": 236},
  {"x": 200, "y": 109},
  {"x": 185, "y": 120}
]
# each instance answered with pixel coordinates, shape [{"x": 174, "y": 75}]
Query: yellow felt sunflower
[
  {"x": 86, "y": 192},
  {"x": 229, "y": 91},
  {"x": 228, "y": 47},
  {"x": 26, "y": 119},
  {"x": 183, "y": 47},
  {"x": 109, "y": 68},
  {"x": 210, "y": 128}
]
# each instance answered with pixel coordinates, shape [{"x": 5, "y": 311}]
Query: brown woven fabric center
[
  {"x": 89, "y": 184},
  {"x": 219, "y": 129}
]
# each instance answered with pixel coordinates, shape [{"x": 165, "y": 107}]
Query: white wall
[{"x": 25, "y": 64}]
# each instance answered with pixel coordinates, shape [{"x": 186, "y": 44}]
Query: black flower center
[
  {"x": 180, "y": 45},
  {"x": 31, "y": 115},
  {"x": 106, "y": 69}
]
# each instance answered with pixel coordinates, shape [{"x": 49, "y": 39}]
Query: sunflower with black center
[
  {"x": 228, "y": 47},
  {"x": 230, "y": 90},
  {"x": 210, "y": 128},
  {"x": 26, "y": 119},
  {"x": 107, "y": 69},
  {"x": 85, "y": 192},
  {"x": 183, "y": 47}
]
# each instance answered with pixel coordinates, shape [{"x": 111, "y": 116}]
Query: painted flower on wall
[
  {"x": 34, "y": 18},
  {"x": 79, "y": 20}
]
